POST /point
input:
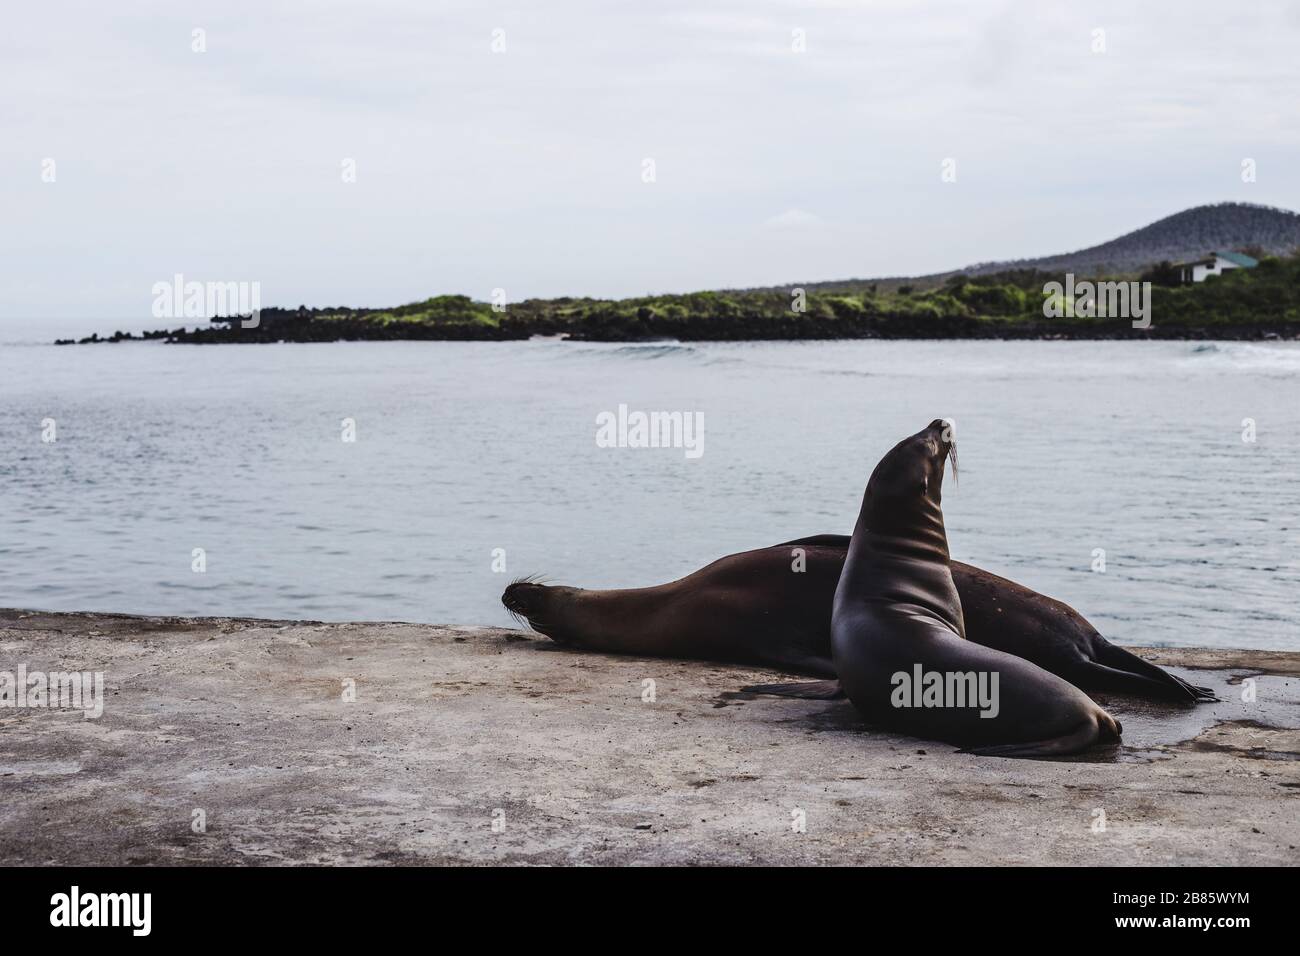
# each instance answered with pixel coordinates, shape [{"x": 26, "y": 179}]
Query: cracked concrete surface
[{"x": 454, "y": 728}]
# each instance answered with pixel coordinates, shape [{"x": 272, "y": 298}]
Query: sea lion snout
[
  {"x": 916, "y": 464},
  {"x": 523, "y": 597},
  {"x": 544, "y": 606},
  {"x": 944, "y": 433}
]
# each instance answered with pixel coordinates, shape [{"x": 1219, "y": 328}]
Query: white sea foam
[{"x": 1271, "y": 357}]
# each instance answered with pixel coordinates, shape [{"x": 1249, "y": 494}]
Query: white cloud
[{"x": 793, "y": 219}]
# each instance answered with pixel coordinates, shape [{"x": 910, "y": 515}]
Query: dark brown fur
[{"x": 753, "y": 608}]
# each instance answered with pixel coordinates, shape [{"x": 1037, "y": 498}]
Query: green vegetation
[
  {"x": 439, "y": 310},
  {"x": 1268, "y": 293},
  {"x": 986, "y": 304},
  {"x": 1242, "y": 303}
]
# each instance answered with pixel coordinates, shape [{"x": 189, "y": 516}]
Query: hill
[{"x": 1246, "y": 227}]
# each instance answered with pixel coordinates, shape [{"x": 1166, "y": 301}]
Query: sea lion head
[{"x": 912, "y": 472}]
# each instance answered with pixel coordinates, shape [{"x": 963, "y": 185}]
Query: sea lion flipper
[
  {"x": 1100, "y": 677},
  {"x": 1120, "y": 670},
  {"x": 1087, "y": 735},
  {"x": 1203, "y": 694},
  {"x": 805, "y": 690}
]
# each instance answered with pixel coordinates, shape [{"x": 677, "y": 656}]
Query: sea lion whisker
[{"x": 541, "y": 579}]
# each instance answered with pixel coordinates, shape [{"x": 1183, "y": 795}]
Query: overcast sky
[{"x": 523, "y": 169}]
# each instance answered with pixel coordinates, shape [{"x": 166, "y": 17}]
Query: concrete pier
[{"x": 227, "y": 741}]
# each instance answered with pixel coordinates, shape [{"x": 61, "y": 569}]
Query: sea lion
[
  {"x": 898, "y": 636},
  {"x": 772, "y": 607}
]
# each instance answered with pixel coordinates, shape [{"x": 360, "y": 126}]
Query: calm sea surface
[{"x": 1134, "y": 448}]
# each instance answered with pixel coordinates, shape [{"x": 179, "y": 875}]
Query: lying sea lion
[
  {"x": 772, "y": 606},
  {"x": 898, "y": 636}
]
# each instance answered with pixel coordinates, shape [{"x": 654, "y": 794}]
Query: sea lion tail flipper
[
  {"x": 1200, "y": 695},
  {"x": 1204, "y": 695},
  {"x": 1089, "y": 733},
  {"x": 1103, "y": 678},
  {"x": 805, "y": 690},
  {"x": 1124, "y": 670}
]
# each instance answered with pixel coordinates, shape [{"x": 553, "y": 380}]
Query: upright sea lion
[
  {"x": 898, "y": 637},
  {"x": 772, "y": 606}
]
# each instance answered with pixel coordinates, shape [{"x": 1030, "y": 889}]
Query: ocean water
[{"x": 465, "y": 448}]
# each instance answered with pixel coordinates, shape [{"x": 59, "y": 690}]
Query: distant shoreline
[
  {"x": 1258, "y": 303},
  {"x": 984, "y": 330}
]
